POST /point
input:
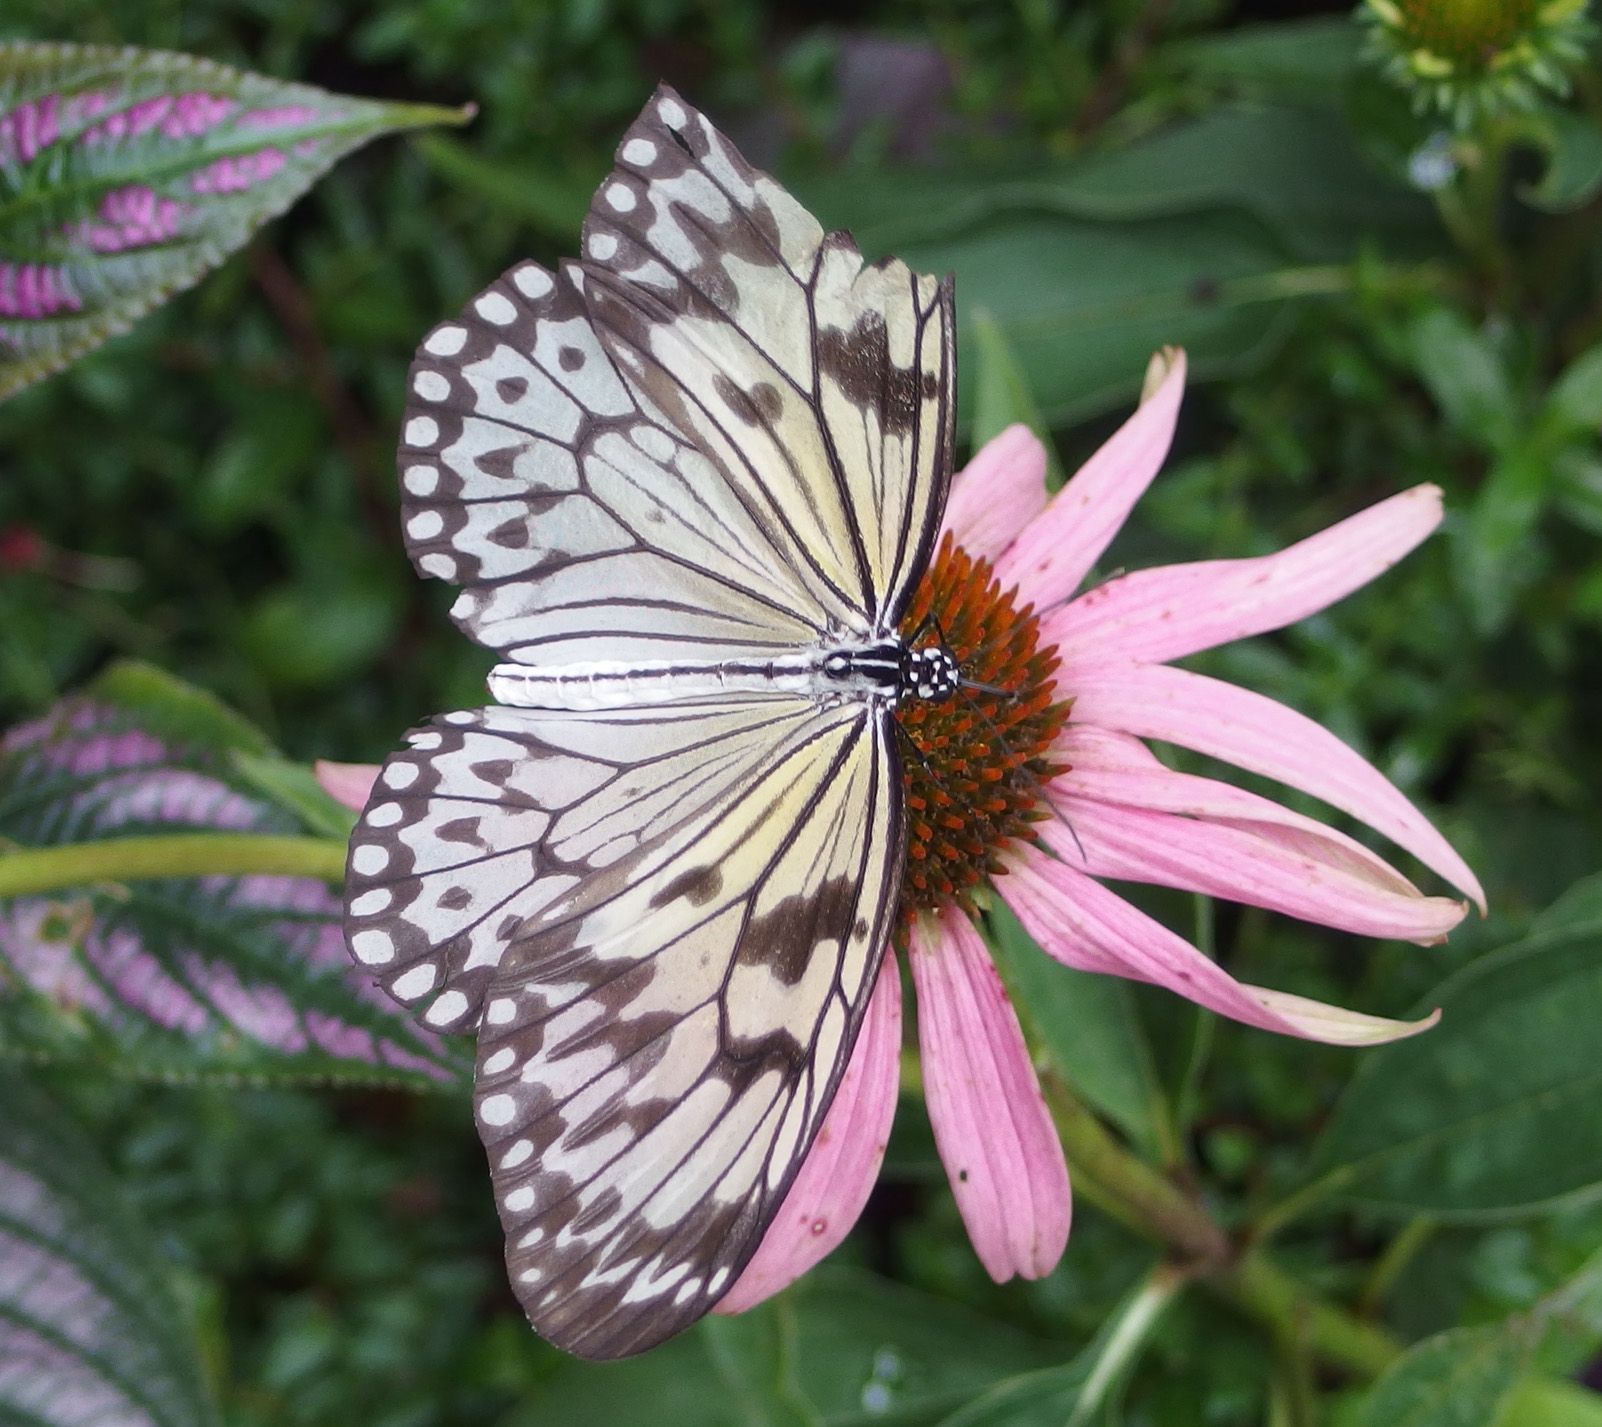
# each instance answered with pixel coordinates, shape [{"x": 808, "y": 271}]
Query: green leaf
[
  {"x": 754, "y": 1354},
  {"x": 1465, "y": 376},
  {"x": 1003, "y": 397},
  {"x": 294, "y": 787},
  {"x": 1575, "y": 402},
  {"x": 1495, "y": 551},
  {"x": 1089, "y": 1027},
  {"x": 1494, "y": 1111},
  {"x": 1573, "y": 175},
  {"x": 1296, "y": 61},
  {"x": 1084, "y": 303},
  {"x": 93, "y": 1332},
  {"x": 126, "y": 174},
  {"x": 1460, "y": 1378},
  {"x": 179, "y": 977},
  {"x": 1543, "y": 1402},
  {"x": 171, "y": 708}
]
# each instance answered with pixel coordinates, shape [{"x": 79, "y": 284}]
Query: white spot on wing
[
  {"x": 446, "y": 1009},
  {"x": 417, "y": 981},
  {"x": 373, "y": 947},
  {"x": 532, "y": 281},
  {"x": 369, "y": 859},
  {"x": 495, "y": 307},
  {"x": 446, "y": 341}
]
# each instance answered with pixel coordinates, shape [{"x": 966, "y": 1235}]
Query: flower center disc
[{"x": 977, "y": 762}]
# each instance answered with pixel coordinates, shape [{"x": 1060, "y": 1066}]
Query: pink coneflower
[
  {"x": 1092, "y": 677},
  {"x": 1035, "y": 795}
]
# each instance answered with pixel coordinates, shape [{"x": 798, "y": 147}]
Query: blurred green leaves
[
  {"x": 1205, "y": 236},
  {"x": 841, "y": 1348}
]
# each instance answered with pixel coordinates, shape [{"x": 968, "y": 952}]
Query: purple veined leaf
[
  {"x": 179, "y": 977},
  {"x": 90, "y": 1329},
  {"x": 125, "y": 174}
]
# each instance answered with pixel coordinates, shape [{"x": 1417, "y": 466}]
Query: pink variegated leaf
[
  {"x": 91, "y": 1331},
  {"x": 126, "y": 174},
  {"x": 178, "y": 976}
]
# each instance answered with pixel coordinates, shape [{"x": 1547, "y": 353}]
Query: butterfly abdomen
[{"x": 868, "y": 672}]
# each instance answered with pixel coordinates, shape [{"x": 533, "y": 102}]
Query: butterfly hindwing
[{"x": 664, "y": 1013}]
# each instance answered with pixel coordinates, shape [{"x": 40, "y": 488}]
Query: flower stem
[
  {"x": 1124, "y": 1186},
  {"x": 1131, "y": 1191},
  {"x": 29, "y": 871},
  {"x": 1263, "y": 1290}
]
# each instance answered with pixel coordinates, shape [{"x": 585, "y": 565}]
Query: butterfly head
[{"x": 930, "y": 673}]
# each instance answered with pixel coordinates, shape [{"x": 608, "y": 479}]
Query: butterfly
[{"x": 687, "y": 486}]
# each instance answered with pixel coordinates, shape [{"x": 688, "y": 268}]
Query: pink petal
[
  {"x": 1055, "y": 553},
  {"x": 347, "y": 783},
  {"x": 1115, "y": 768},
  {"x": 1087, "y": 926},
  {"x": 990, "y": 1121},
  {"x": 828, "y": 1194},
  {"x": 1241, "y": 864},
  {"x": 999, "y": 492},
  {"x": 1253, "y": 732},
  {"x": 1152, "y": 616}
]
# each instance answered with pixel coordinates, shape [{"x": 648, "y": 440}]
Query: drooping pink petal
[
  {"x": 1240, "y": 865},
  {"x": 1053, "y": 555},
  {"x": 1256, "y": 733},
  {"x": 1115, "y": 768},
  {"x": 347, "y": 783},
  {"x": 1152, "y": 616},
  {"x": 828, "y": 1195},
  {"x": 990, "y": 1121},
  {"x": 1091, "y": 928},
  {"x": 999, "y": 492}
]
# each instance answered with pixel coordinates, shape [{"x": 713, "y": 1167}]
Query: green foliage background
[{"x": 214, "y": 494}]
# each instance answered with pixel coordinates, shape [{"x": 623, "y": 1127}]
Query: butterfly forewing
[
  {"x": 830, "y": 381},
  {"x": 717, "y": 437}
]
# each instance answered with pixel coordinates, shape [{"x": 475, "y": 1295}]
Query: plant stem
[
  {"x": 31, "y": 870},
  {"x": 1131, "y": 1191},
  {"x": 1128, "y": 1189},
  {"x": 1263, "y": 1290}
]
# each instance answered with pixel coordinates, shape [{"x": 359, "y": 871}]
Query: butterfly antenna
[{"x": 963, "y": 682}]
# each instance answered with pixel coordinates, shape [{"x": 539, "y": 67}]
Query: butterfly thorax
[{"x": 885, "y": 671}]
